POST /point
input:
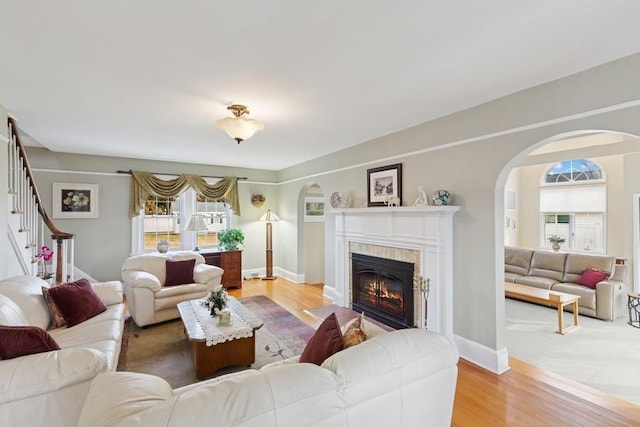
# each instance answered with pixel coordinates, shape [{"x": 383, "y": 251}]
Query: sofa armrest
[
  {"x": 115, "y": 396},
  {"x": 205, "y": 273},
  {"x": 109, "y": 292},
  {"x": 610, "y": 299},
  {"x": 141, "y": 279},
  {"x": 43, "y": 373}
]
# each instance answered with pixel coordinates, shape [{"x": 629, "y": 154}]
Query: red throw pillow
[
  {"x": 326, "y": 341},
  {"x": 77, "y": 301},
  {"x": 590, "y": 277},
  {"x": 179, "y": 272},
  {"x": 16, "y": 341}
]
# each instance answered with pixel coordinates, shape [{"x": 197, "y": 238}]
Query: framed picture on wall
[
  {"x": 384, "y": 183},
  {"x": 313, "y": 209},
  {"x": 74, "y": 200}
]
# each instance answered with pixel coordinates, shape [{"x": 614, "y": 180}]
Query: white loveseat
[
  {"x": 49, "y": 389},
  {"x": 403, "y": 378},
  {"x": 149, "y": 300}
]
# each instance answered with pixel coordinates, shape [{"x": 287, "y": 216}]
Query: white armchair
[{"x": 149, "y": 300}]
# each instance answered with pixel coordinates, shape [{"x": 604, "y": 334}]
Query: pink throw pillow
[
  {"x": 179, "y": 272},
  {"x": 16, "y": 341},
  {"x": 77, "y": 301},
  {"x": 326, "y": 341},
  {"x": 591, "y": 277}
]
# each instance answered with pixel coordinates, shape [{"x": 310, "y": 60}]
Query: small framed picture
[
  {"x": 73, "y": 200},
  {"x": 384, "y": 184},
  {"x": 313, "y": 209}
]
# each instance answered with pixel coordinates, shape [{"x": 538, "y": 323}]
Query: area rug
[
  {"x": 601, "y": 354},
  {"x": 162, "y": 349}
]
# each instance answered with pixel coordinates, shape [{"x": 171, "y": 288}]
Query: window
[
  {"x": 165, "y": 219},
  {"x": 573, "y": 171},
  {"x": 161, "y": 222},
  {"x": 573, "y": 205}
]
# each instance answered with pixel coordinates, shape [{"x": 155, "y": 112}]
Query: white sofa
[
  {"x": 403, "y": 378},
  {"x": 149, "y": 300},
  {"x": 50, "y": 388}
]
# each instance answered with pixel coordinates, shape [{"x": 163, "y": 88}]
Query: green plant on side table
[
  {"x": 231, "y": 239},
  {"x": 556, "y": 241}
]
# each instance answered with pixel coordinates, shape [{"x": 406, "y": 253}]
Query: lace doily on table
[{"x": 216, "y": 334}]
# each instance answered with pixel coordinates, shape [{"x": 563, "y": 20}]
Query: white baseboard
[
  {"x": 496, "y": 361},
  {"x": 258, "y": 273}
]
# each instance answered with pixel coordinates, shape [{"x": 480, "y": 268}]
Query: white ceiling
[{"x": 149, "y": 78}]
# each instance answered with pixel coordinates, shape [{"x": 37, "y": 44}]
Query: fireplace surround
[{"x": 419, "y": 234}]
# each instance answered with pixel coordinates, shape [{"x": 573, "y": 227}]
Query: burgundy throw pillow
[
  {"x": 590, "y": 277},
  {"x": 326, "y": 341},
  {"x": 77, "y": 301},
  {"x": 16, "y": 341},
  {"x": 179, "y": 272}
]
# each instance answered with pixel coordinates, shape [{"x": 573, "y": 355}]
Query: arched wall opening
[
  {"x": 311, "y": 233},
  {"x": 619, "y": 156}
]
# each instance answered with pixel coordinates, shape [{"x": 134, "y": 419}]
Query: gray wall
[
  {"x": 4, "y": 183},
  {"x": 469, "y": 153},
  {"x": 102, "y": 244}
]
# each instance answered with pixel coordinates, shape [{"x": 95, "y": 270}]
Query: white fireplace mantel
[{"x": 428, "y": 230}]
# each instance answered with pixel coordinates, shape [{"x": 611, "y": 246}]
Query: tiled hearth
[{"x": 420, "y": 235}]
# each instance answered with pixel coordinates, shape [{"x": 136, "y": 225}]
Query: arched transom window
[{"x": 573, "y": 170}]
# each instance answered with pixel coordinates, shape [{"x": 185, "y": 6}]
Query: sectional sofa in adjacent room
[{"x": 597, "y": 279}]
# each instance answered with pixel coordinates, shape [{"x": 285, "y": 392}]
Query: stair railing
[{"x": 33, "y": 216}]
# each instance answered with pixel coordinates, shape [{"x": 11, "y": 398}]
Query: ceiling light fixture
[{"x": 239, "y": 128}]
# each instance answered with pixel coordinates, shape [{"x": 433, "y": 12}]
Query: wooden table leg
[
  {"x": 568, "y": 329},
  {"x": 560, "y": 307}
]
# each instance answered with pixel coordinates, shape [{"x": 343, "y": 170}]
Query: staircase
[{"x": 29, "y": 225}]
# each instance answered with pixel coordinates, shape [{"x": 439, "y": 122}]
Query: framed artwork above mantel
[{"x": 383, "y": 184}]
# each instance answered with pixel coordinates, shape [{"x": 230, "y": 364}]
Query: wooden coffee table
[
  {"x": 543, "y": 296},
  {"x": 208, "y": 359}
]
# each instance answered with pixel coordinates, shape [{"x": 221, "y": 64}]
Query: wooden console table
[
  {"x": 542, "y": 296},
  {"x": 230, "y": 262}
]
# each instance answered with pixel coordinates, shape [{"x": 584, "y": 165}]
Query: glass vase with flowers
[{"x": 42, "y": 258}]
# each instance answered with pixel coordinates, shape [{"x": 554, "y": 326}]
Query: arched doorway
[
  {"x": 523, "y": 221},
  {"x": 311, "y": 233}
]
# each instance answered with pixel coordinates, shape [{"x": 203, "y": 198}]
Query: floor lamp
[
  {"x": 196, "y": 223},
  {"x": 269, "y": 217}
]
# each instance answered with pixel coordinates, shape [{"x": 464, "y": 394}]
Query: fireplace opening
[{"x": 383, "y": 289}]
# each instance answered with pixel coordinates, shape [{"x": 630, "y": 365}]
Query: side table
[{"x": 634, "y": 309}]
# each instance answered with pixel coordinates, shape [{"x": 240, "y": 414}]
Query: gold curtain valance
[{"x": 145, "y": 184}]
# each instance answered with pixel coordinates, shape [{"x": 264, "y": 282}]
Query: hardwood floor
[{"x": 523, "y": 396}]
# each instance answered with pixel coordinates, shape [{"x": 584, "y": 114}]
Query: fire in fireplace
[{"x": 383, "y": 289}]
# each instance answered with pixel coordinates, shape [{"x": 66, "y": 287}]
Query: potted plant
[
  {"x": 556, "y": 241},
  {"x": 231, "y": 239},
  {"x": 217, "y": 300}
]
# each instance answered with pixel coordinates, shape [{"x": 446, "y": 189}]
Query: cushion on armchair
[{"x": 179, "y": 272}]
